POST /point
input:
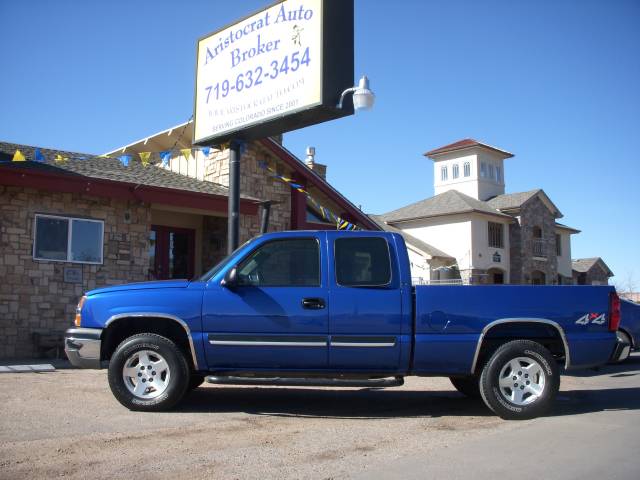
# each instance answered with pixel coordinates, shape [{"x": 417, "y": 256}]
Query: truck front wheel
[
  {"x": 148, "y": 372},
  {"x": 520, "y": 380}
]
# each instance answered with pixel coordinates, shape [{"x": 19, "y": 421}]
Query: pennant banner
[
  {"x": 19, "y": 157},
  {"x": 125, "y": 159},
  {"x": 325, "y": 213},
  {"x": 38, "y": 156},
  {"x": 144, "y": 158}
]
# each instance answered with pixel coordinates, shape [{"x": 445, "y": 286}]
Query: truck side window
[
  {"x": 291, "y": 262},
  {"x": 362, "y": 261}
]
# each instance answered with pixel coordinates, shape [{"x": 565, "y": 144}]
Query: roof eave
[
  {"x": 61, "y": 182},
  {"x": 473, "y": 210},
  {"x": 438, "y": 152}
]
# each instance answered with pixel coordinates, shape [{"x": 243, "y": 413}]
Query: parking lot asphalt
[{"x": 67, "y": 423}]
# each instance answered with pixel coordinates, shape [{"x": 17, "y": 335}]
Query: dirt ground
[{"x": 67, "y": 424}]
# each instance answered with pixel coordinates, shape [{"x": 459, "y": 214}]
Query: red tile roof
[{"x": 466, "y": 143}]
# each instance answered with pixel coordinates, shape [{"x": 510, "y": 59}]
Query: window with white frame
[
  {"x": 467, "y": 169},
  {"x": 483, "y": 170},
  {"x": 68, "y": 239},
  {"x": 491, "y": 172},
  {"x": 455, "y": 171},
  {"x": 444, "y": 174}
]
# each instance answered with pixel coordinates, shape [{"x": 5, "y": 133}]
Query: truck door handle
[{"x": 313, "y": 303}]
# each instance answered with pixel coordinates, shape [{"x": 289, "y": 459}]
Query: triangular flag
[
  {"x": 19, "y": 157},
  {"x": 60, "y": 159},
  {"x": 186, "y": 152},
  {"x": 165, "y": 156},
  {"x": 205, "y": 151},
  {"x": 144, "y": 158},
  {"x": 124, "y": 160},
  {"x": 38, "y": 156}
]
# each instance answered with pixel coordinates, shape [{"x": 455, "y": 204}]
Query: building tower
[{"x": 470, "y": 167}]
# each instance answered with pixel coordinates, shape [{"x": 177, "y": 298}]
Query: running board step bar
[{"x": 309, "y": 382}]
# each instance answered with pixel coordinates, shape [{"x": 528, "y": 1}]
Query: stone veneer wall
[
  {"x": 256, "y": 182},
  {"x": 533, "y": 213},
  {"x": 33, "y": 293}
]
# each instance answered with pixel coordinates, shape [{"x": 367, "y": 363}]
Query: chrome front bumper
[{"x": 82, "y": 346}]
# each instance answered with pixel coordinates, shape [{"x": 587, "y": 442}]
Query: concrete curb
[{"x": 46, "y": 367}]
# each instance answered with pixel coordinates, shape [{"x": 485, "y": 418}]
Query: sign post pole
[{"x": 233, "y": 228}]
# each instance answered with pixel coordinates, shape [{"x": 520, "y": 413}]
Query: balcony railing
[{"x": 539, "y": 248}]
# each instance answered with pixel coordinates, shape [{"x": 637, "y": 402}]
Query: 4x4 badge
[{"x": 595, "y": 318}]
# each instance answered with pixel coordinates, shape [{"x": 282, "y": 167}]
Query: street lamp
[{"x": 363, "y": 98}]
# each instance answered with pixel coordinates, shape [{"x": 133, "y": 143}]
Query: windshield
[{"x": 220, "y": 265}]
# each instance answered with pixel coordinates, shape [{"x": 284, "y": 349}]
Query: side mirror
[{"x": 230, "y": 280}]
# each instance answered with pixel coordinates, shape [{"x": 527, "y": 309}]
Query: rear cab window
[{"x": 362, "y": 262}]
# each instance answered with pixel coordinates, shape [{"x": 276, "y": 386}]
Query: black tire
[
  {"x": 150, "y": 346},
  {"x": 626, "y": 353},
  {"x": 468, "y": 386},
  {"x": 523, "y": 403},
  {"x": 195, "y": 381}
]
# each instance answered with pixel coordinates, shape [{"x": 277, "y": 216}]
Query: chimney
[{"x": 318, "y": 168}]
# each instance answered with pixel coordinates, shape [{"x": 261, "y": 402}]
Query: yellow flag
[
  {"x": 19, "y": 157},
  {"x": 186, "y": 152},
  {"x": 144, "y": 157}
]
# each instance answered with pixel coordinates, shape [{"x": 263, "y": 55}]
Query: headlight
[{"x": 78, "y": 319}]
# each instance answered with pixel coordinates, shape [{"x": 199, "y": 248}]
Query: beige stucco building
[{"x": 494, "y": 236}]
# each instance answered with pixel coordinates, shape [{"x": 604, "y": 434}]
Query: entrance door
[{"x": 171, "y": 252}]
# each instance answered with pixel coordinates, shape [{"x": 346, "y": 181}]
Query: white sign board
[{"x": 266, "y": 66}]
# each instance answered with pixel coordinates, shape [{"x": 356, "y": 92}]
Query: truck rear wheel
[
  {"x": 148, "y": 372},
  {"x": 520, "y": 380},
  {"x": 468, "y": 386}
]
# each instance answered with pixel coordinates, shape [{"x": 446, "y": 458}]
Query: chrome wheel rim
[
  {"x": 146, "y": 374},
  {"x": 522, "y": 380}
]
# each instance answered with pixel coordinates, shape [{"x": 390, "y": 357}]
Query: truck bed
[{"x": 452, "y": 320}]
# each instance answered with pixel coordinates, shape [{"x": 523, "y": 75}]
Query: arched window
[
  {"x": 444, "y": 174},
  {"x": 467, "y": 169},
  {"x": 455, "y": 171}
]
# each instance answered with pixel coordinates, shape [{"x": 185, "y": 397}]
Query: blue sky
[{"x": 554, "y": 82}]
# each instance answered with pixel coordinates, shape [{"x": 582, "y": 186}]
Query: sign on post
[{"x": 279, "y": 69}]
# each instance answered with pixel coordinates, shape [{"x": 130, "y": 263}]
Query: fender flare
[
  {"x": 502, "y": 321},
  {"x": 168, "y": 316}
]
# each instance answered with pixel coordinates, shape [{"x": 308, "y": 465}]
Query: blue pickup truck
[{"x": 338, "y": 308}]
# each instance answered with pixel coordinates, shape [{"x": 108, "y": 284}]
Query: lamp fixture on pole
[{"x": 363, "y": 97}]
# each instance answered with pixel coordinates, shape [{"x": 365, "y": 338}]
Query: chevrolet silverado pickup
[{"x": 336, "y": 308}]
